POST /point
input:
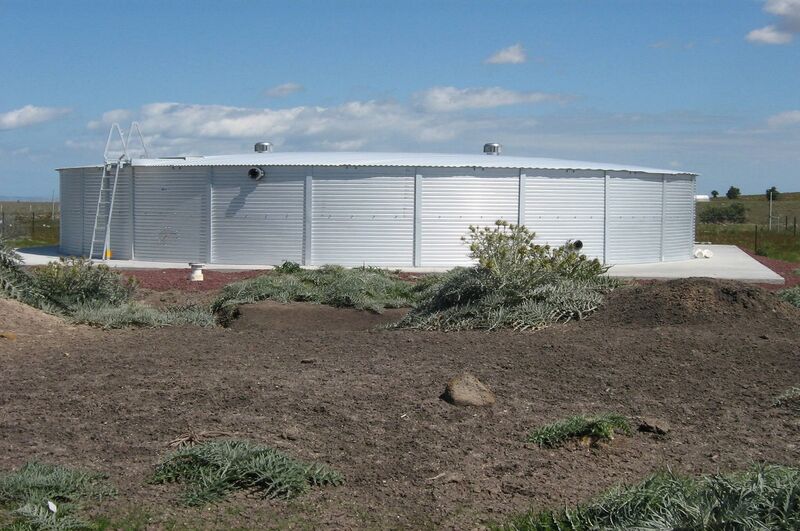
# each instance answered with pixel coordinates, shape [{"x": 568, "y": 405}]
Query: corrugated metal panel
[
  {"x": 362, "y": 216},
  {"x": 634, "y": 218},
  {"x": 71, "y": 205},
  {"x": 257, "y": 222},
  {"x": 171, "y": 218},
  {"x": 563, "y": 205},
  {"x": 91, "y": 189},
  {"x": 121, "y": 229},
  {"x": 679, "y": 218},
  {"x": 373, "y": 159},
  {"x": 452, "y": 200}
]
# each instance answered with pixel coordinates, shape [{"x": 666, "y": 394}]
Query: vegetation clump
[
  {"x": 594, "y": 429},
  {"x": 764, "y": 497},
  {"x": 363, "y": 288},
  {"x": 79, "y": 290},
  {"x": 791, "y": 295},
  {"x": 732, "y": 213},
  {"x": 789, "y": 399},
  {"x": 213, "y": 469},
  {"x": 516, "y": 284},
  {"x": 48, "y": 496}
]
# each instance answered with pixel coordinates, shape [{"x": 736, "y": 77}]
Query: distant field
[
  {"x": 29, "y": 223},
  {"x": 782, "y": 242}
]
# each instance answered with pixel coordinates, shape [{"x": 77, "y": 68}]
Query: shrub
[
  {"x": 791, "y": 295},
  {"x": 289, "y": 267},
  {"x": 764, "y": 497},
  {"x": 361, "y": 288},
  {"x": 733, "y": 193},
  {"x": 36, "y": 484},
  {"x": 516, "y": 284},
  {"x": 135, "y": 314},
  {"x": 71, "y": 282},
  {"x": 214, "y": 469},
  {"x": 599, "y": 428},
  {"x": 773, "y": 192},
  {"x": 714, "y": 194},
  {"x": 733, "y": 213}
]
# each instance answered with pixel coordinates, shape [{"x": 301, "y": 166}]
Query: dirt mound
[
  {"x": 693, "y": 301},
  {"x": 302, "y": 316},
  {"x": 22, "y": 320}
]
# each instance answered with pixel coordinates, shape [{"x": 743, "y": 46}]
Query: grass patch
[
  {"x": 789, "y": 399},
  {"x": 764, "y": 497},
  {"x": 791, "y": 295},
  {"x": 211, "y": 470},
  {"x": 363, "y": 288},
  {"x": 599, "y": 428},
  {"x": 778, "y": 243},
  {"x": 516, "y": 284},
  {"x": 36, "y": 489}
]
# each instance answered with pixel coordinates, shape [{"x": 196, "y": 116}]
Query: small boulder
[
  {"x": 466, "y": 390},
  {"x": 653, "y": 425}
]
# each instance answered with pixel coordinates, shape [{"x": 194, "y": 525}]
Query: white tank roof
[{"x": 430, "y": 160}]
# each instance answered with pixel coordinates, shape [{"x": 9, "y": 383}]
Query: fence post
[
  {"x": 33, "y": 225},
  {"x": 755, "y": 246},
  {"x": 795, "y": 225},
  {"x": 786, "y": 223}
]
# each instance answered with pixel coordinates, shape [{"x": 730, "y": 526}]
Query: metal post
[
  {"x": 755, "y": 245},
  {"x": 795, "y": 225},
  {"x": 770, "y": 210},
  {"x": 605, "y": 218},
  {"x": 523, "y": 178},
  {"x": 417, "y": 252},
  {"x": 33, "y": 224},
  {"x": 663, "y": 211}
]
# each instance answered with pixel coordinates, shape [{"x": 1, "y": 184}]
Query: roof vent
[
  {"x": 492, "y": 149},
  {"x": 263, "y": 147}
]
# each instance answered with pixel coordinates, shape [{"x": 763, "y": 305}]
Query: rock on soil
[
  {"x": 693, "y": 301},
  {"x": 653, "y": 425},
  {"x": 466, "y": 390}
]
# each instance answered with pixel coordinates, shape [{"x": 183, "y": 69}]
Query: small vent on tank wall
[
  {"x": 263, "y": 147},
  {"x": 492, "y": 148}
]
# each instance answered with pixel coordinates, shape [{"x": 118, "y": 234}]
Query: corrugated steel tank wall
[{"x": 394, "y": 216}]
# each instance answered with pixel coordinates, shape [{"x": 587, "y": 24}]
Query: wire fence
[{"x": 30, "y": 225}]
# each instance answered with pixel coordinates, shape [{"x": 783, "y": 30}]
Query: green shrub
[
  {"x": 732, "y": 213},
  {"x": 764, "y": 497},
  {"x": 135, "y": 314},
  {"x": 791, "y": 295},
  {"x": 211, "y": 470},
  {"x": 35, "y": 484},
  {"x": 71, "y": 282},
  {"x": 289, "y": 267},
  {"x": 599, "y": 428},
  {"x": 733, "y": 193},
  {"x": 516, "y": 284},
  {"x": 361, "y": 288}
]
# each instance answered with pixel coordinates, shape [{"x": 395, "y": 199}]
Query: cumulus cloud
[
  {"x": 783, "y": 32},
  {"x": 109, "y": 117},
  {"x": 784, "y": 119},
  {"x": 30, "y": 115},
  {"x": 448, "y": 99},
  {"x": 279, "y": 91},
  {"x": 514, "y": 54}
]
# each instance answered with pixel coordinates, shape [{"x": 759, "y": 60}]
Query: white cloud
[
  {"x": 769, "y": 35},
  {"x": 514, "y": 54},
  {"x": 109, "y": 117},
  {"x": 30, "y": 115},
  {"x": 448, "y": 99},
  {"x": 788, "y": 13},
  {"x": 784, "y": 119},
  {"x": 285, "y": 89}
]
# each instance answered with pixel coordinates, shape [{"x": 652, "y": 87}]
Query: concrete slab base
[{"x": 729, "y": 262}]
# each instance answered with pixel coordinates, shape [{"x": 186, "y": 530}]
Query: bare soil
[{"x": 705, "y": 357}]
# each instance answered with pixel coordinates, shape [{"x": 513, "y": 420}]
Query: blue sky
[{"x": 707, "y": 86}]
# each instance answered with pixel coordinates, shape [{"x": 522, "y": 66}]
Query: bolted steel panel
[
  {"x": 634, "y": 218},
  {"x": 454, "y": 199},
  {"x": 363, "y": 216},
  {"x": 678, "y": 218},
  {"x": 562, "y": 205},
  {"x": 257, "y": 221}
]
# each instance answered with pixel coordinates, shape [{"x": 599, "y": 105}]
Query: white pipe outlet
[{"x": 197, "y": 272}]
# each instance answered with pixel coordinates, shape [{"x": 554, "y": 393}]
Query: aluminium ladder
[{"x": 108, "y": 191}]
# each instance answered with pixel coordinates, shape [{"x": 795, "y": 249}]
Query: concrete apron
[{"x": 728, "y": 262}]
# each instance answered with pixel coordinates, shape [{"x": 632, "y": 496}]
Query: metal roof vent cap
[
  {"x": 263, "y": 147},
  {"x": 492, "y": 148}
]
